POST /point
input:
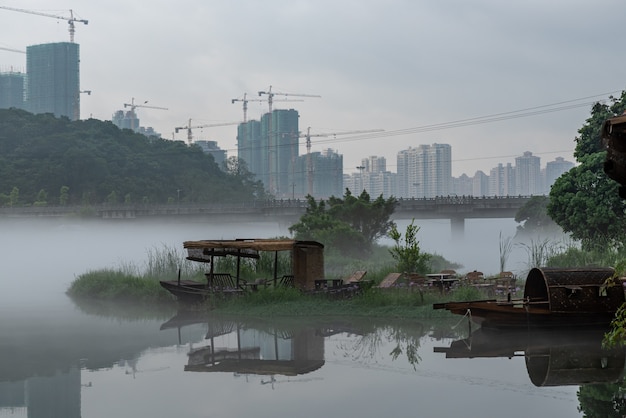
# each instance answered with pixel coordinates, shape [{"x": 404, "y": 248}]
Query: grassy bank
[{"x": 140, "y": 285}]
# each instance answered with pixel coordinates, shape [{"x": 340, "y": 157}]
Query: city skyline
[{"x": 474, "y": 75}]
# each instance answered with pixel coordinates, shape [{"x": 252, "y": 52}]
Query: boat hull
[{"x": 495, "y": 314}]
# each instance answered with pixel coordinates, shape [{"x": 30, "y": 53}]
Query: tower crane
[
  {"x": 133, "y": 106},
  {"x": 189, "y": 128},
  {"x": 270, "y": 96},
  {"x": 12, "y": 50},
  {"x": 309, "y": 165},
  {"x": 70, "y": 20},
  {"x": 245, "y": 101}
]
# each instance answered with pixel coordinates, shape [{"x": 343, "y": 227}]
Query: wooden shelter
[{"x": 307, "y": 266}]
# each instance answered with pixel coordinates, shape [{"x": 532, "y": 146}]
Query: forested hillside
[{"x": 46, "y": 160}]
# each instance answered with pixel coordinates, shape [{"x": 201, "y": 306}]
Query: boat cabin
[{"x": 574, "y": 289}]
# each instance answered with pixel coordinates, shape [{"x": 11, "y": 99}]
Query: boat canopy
[
  {"x": 248, "y": 248},
  {"x": 307, "y": 257},
  {"x": 593, "y": 290}
]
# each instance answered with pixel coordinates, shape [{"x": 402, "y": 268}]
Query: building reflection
[
  {"x": 552, "y": 357},
  {"x": 57, "y": 395}
]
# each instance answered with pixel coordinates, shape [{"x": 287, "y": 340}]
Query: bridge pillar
[{"x": 457, "y": 226}]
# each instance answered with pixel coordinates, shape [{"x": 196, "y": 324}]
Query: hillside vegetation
[{"x": 46, "y": 160}]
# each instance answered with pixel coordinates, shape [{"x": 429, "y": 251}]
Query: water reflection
[
  {"x": 553, "y": 358},
  {"x": 102, "y": 361},
  {"x": 262, "y": 349}
]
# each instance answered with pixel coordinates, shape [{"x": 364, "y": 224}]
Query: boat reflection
[
  {"x": 254, "y": 348},
  {"x": 553, "y": 358}
]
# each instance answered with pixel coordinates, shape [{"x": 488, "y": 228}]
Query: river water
[{"x": 64, "y": 359}]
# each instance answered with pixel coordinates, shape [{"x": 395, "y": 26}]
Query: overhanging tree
[{"x": 584, "y": 201}]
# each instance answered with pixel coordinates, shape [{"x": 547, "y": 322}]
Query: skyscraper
[
  {"x": 53, "y": 79},
  {"x": 528, "y": 174},
  {"x": 270, "y": 149}
]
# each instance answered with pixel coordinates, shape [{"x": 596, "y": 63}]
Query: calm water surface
[{"x": 68, "y": 360}]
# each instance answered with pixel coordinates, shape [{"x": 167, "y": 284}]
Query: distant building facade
[
  {"x": 12, "y": 86},
  {"x": 53, "y": 79},
  {"x": 528, "y": 175},
  {"x": 425, "y": 171},
  {"x": 271, "y": 149},
  {"x": 211, "y": 148},
  {"x": 554, "y": 170}
]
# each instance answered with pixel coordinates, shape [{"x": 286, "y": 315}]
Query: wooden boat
[
  {"x": 307, "y": 267},
  {"x": 553, "y": 297}
]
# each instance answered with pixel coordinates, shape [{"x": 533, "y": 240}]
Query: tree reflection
[
  {"x": 407, "y": 342},
  {"x": 603, "y": 400}
]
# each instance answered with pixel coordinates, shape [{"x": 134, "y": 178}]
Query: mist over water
[{"x": 41, "y": 257}]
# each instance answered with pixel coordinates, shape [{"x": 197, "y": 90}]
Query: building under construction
[{"x": 53, "y": 79}]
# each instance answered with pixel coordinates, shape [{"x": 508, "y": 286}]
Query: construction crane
[
  {"x": 189, "y": 128},
  {"x": 12, "y": 50},
  {"x": 245, "y": 101},
  {"x": 133, "y": 106},
  {"x": 270, "y": 96},
  {"x": 309, "y": 165},
  {"x": 70, "y": 20}
]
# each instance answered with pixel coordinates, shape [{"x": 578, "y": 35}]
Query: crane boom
[
  {"x": 245, "y": 101},
  {"x": 133, "y": 106},
  {"x": 270, "y": 96},
  {"x": 70, "y": 20},
  {"x": 12, "y": 50},
  {"x": 189, "y": 128}
]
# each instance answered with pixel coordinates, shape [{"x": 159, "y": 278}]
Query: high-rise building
[
  {"x": 502, "y": 180},
  {"x": 250, "y": 147},
  {"x": 271, "y": 149},
  {"x": 319, "y": 174},
  {"x": 53, "y": 79},
  {"x": 425, "y": 171},
  {"x": 12, "y": 90},
  {"x": 554, "y": 170},
  {"x": 528, "y": 175},
  {"x": 211, "y": 147}
]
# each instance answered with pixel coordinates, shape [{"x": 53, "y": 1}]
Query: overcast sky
[{"x": 397, "y": 65}]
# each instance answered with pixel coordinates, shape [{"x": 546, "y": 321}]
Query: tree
[
  {"x": 350, "y": 225},
  {"x": 534, "y": 218},
  {"x": 64, "y": 195},
  {"x": 585, "y": 201},
  {"x": 407, "y": 251},
  {"x": 370, "y": 218}
]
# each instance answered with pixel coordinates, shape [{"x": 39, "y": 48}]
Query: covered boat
[
  {"x": 553, "y": 297},
  {"x": 306, "y": 260}
]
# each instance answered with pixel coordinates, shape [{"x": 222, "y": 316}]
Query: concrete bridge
[{"x": 288, "y": 212}]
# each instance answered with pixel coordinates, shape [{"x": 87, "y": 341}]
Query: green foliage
[
  {"x": 116, "y": 285},
  {"x": 406, "y": 251},
  {"x": 64, "y": 195},
  {"x": 534, "y": 218},
  {"x": 350, "y": 225},
  {"x": 601, "y": 400},
  {"x": 584, "y": 201},
  {"x": 87, "y": 161}
]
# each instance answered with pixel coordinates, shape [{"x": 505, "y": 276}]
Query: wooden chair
[
  {"x": 286, "y": 281},
  {"x": 356, "y": 277},
  {"x": 389, "y": 281}
]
